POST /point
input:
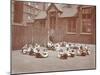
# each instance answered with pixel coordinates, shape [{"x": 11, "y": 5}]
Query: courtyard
[{"x": 29, "y": 64}]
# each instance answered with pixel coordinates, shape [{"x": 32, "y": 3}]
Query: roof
[
  {"x": 66, "y": 12},
  {"x": 59, "y": 7},
  {"x": 69, "y": 12},
  {"x": 41, "y": 15}
]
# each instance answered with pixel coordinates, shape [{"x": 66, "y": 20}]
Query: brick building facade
[{"x": 40, "y": 22}]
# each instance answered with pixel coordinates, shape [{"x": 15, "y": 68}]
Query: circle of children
[{"x": 63, "y": 49}]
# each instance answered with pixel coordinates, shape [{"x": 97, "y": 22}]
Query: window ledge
[
  {"x": 15, "y": 23},
  {"x": 71, "y": 33},
  {"x": 86, "y": 33}
]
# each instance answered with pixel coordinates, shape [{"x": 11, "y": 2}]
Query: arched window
[{"x": 52, "y": 20}]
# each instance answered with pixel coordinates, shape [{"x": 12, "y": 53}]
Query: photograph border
[{"x": 50, "y": 71}]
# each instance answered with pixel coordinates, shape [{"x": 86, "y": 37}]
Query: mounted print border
[{"x": 52, "y": 37}]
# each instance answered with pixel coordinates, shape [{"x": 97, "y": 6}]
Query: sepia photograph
[{"x": 52, "y": 37}]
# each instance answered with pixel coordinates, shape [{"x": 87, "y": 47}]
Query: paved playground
[{"x": 26, "y": 64}]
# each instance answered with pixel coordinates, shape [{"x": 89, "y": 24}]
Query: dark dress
[
  {"x": 38, "y": 55},
  {"x": 64, "y": 56}
]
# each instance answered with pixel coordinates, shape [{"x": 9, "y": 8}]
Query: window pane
[
  {"x": 42, "y": 22},
  {"x": 69, "y": 27},
  {"x": 86, "y": 20},
  {"x": 86, "y": 26},
  {"x": 72, "y": 26},
  {"x": 52, "y": 20}
]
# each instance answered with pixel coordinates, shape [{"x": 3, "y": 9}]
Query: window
[
  {"x": 86, "y": 16},
  {"x": 86, "y": 26},
  {"x": 86, "y": 20},
  {"x": 71, "y": 25},
  {"x": 48, "y": 4},
  {"x": 52, "y": 20},
  {"x": 42, "y": 23},
  {"x": 36, "y": 6},
  {"x": 29, "y": 17},
  {"x": 18, "y": 15},
  {"x": 29, "y": 3},
  {"x": 52, "y": 13},
  {"x": 28, "y": 10}
]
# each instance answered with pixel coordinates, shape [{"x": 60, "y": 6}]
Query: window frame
[
  {"x": 52, "y": 19},
  {"x": 42, "y": 23},
  {"x": 86, "y": 18},
  {"x": 74, "y": 22}
]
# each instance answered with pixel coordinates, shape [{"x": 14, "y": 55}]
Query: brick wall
[{"x": 27, "y": 34}]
